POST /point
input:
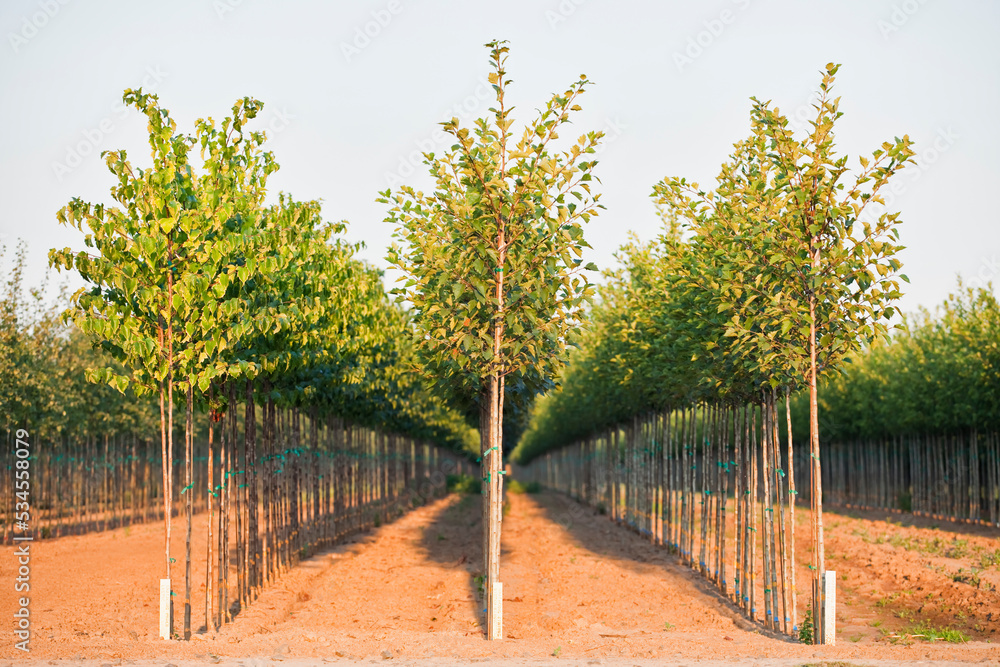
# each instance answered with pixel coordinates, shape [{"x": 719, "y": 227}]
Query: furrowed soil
[{"x": 578, "y": 589}]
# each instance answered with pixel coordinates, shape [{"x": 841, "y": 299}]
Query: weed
[
  {"x": 557, "y": 651},
  {"x": 441, "y": 538},
  {"x": 990, "y": 559},
  {"x": 929, "y": 633},
  {"x": 463, "y": 484},
  {"x": 806, "y": 631},
  {"x": 887, "y": 600},
  {"x": 971, "y": 578},
  {"x": 668, "y": 626}
]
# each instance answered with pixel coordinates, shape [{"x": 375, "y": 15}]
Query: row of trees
[
  {"x": 939, "y": 375},
  {"x": 707, "y": 482},
  {"x": 209, "y": 300},
  {"x": 43, "y": 361},
  {"x": 753, "y": 291},
  {"x": 493, "y": 271},
  {"x": 912, "y": 423}
]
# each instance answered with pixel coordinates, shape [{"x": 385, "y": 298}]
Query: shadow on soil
[
  {"x": 598, "y": 534},
  {"x": 453, "y": 538},
  {"x": 907, "y": 519}
]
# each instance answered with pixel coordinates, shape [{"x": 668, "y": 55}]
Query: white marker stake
[
  {"x": 164, "y": 609},
  {"x": 498, "y": 605},
  {"x": 830, "y": 608}
]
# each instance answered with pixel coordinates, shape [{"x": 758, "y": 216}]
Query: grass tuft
[
  {"x": 929, "y": 633},
  {"x": 515, "y": 486},
  {"x": 463, "y": 484}
]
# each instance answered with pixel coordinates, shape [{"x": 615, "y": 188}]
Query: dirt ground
[{"x": 577, "y": 590}]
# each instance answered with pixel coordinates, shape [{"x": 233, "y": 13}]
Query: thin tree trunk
[
  {"x": 210, "y": 494},
  {"x": 189, "y": 506}
]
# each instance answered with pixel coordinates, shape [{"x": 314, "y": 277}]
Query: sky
[{"x": 353, "y": 92}]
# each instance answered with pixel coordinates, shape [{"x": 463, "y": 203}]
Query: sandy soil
[{"x": 577, "y": 590}]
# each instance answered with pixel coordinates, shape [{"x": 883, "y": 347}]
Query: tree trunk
[
  {"x": 817, "y": 479},
  {"x": 189, "y": 507}
]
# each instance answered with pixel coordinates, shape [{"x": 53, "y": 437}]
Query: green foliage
[
  {"x": 491, "y": 258},
  {"x": 515, "y": 486},
  {"x": 193, "y": 282},
  {"x": 929, "y": 633},
  {"x": 806, "y": 629},
  {"x": 939, "y": 374},
  {"x": 463, "y": 484},
  {"x": 43, "y": 363},
  {"x": 783, "y": 256}
]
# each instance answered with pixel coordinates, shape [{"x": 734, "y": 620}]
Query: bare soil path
[{"x": 577, "y": 589}]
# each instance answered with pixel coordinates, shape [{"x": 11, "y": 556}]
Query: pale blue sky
[{"x": 347, "y": 116}]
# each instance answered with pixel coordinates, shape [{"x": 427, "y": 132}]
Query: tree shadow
[
  {"x": 453, "y": 539},
  {"x": 619, "y": 542},
  {"x": 909, "y": 519}
]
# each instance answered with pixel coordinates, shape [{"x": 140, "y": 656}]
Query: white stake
[
  {"x": 498, "y": 616},
  {"x": 830, "y": 607},
  {"x": 165, "y": 620}
]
